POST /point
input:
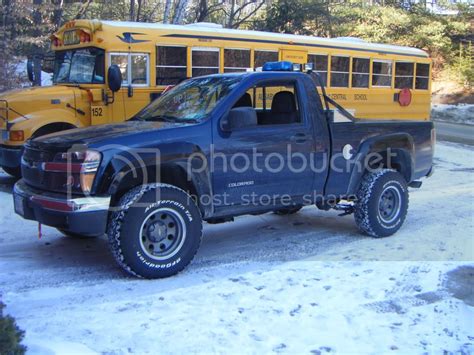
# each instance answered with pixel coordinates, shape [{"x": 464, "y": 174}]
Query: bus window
[
  {"x": 382, "y": 73},
  {"x": 170, "y": 65},
  {"x": 205, "y": 61},
  {"x": 121, "y": 60},
  {"x": 404, "y": 75},
  {"x": 139, "y": 69},
  {"x": 320, "y": 65},
  {"x": 422, "y": 76},
  {"x": 236, "y": 60},
  {"x": 261, "y": 57},
  {"x": 360, "y": 72},
  {"x": 340, "y": 71}
]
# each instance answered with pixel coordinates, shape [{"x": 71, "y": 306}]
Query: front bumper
[
  {"x": 10, "y": 156},
  {"x": 81, "y": 215}
]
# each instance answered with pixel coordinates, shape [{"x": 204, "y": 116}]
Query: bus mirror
[
  {"x": 29, "y": 70},
  {"x": 114, "y": 78}
]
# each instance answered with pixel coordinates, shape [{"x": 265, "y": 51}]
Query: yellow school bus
[{"x": 372, "y": 81}]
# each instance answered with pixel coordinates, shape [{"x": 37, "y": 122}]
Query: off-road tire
[
  {"x": 15, "y": 172},
  {"x": 76, "y": 235},
  {"x": 288, "y": 210},
  {"x": 128, "y": 226},
  {"x": 372, "y": 203}
]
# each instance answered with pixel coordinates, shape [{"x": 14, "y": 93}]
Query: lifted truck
[{"x": 213, "y": 148}]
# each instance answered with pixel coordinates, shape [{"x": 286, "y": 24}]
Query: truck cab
[{"x": 217, "y": 147}]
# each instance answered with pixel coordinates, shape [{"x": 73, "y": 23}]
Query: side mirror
[
  {"x": 29, "y": 70},
  {"x": 239, "y": 117},
  {"x": 114, "y": 78}
]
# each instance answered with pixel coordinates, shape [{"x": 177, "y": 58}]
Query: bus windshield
[
  {"x": 191, "y": 101},
  {"x": 79, "y": 66}
]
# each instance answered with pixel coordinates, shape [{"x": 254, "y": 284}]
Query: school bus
[{"x": 372, "y": 81}]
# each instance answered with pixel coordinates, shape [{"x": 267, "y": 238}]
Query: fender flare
[
  {"x": 400, "y": 143},
  {"x": 126, "y": 166}
]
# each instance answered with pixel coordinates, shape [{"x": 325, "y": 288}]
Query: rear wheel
[
  {"x": 156, "y": 231},
  {"x": 382, "y": 203},
  {"x": 15, "y": 172}
]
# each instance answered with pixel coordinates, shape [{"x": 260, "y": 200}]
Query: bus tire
[
  {"x": 155, "y": 231},
  {"x": 382, "y": 203}
]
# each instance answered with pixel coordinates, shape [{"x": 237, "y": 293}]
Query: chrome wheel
[{"x": 162, "y": 234}]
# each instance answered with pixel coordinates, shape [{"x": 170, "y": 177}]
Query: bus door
[
  {"x": 294, "y": 56},
  {"x": 136, "y": 91}
]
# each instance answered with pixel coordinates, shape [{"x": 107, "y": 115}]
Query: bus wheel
[
  {"x": 382, "y": 203},
  {"x": 15, "y": 172},
  {"x": 155, "y": 231}
]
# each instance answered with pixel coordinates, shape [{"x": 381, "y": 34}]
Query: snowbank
[{"x": 462, "y": 113}]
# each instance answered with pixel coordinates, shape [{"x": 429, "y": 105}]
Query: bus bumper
[
  {"x": 10, "y": 156},
  {"x": 82, "y": 215}
]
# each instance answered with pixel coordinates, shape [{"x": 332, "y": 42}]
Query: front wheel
[
  {"x": 156, "y": 231},
  {"x": 382, "y": 203}
]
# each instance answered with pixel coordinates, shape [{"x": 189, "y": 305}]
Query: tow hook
[{"x": 346, "y": 209}]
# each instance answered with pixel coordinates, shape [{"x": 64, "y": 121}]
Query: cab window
[{"x": 275, "y": 104}]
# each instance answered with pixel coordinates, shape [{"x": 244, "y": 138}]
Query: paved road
[{"x": 454, "y": 132}]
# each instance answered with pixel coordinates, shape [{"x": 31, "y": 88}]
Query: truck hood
[
  {"x": 26, "y": 101},
  {"x": 100, "y": 135}
]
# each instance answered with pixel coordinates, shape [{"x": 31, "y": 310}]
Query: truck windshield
[
  {"x": 79, "y": 66},
  {"x": 190, "y": 101}
]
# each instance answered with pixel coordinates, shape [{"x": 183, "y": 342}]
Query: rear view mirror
[{"x": 114, "y": 78}]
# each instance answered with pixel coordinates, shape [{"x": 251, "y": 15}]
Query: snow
[
  {"x": 301, "y": 283},
  {"x": 461, "y": 113}
]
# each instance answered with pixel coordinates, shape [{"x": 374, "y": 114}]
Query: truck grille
[{"x": 40, "y": 156}]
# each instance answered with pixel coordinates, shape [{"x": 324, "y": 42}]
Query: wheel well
[
  {"x": 172, "y": 174},
  {"x": 51, "y": 128},
  {"x": 398, "y": 159}
]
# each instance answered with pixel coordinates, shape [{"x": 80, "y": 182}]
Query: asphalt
[{"x": 455, "y": 132}]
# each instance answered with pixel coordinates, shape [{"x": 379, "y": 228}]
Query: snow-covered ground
[
  {"x": 461, "y": 113},
  {"x": 297, "y": 284}
]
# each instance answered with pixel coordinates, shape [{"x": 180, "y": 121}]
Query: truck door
[{"x": 269, "y": 159}]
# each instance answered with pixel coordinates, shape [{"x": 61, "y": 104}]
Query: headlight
[{"x": 78, "y": 165}]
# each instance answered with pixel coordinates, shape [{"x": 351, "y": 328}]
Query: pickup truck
[{"x": 216, "y": 147}]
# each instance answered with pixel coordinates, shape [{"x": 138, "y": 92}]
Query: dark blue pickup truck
[{"x": 213, "y": 148}]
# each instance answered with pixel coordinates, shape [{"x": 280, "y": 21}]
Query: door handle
[{"x": 299, "y": 138}]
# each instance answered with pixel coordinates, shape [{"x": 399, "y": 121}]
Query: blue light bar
[{"x": 278, "y": 66}]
